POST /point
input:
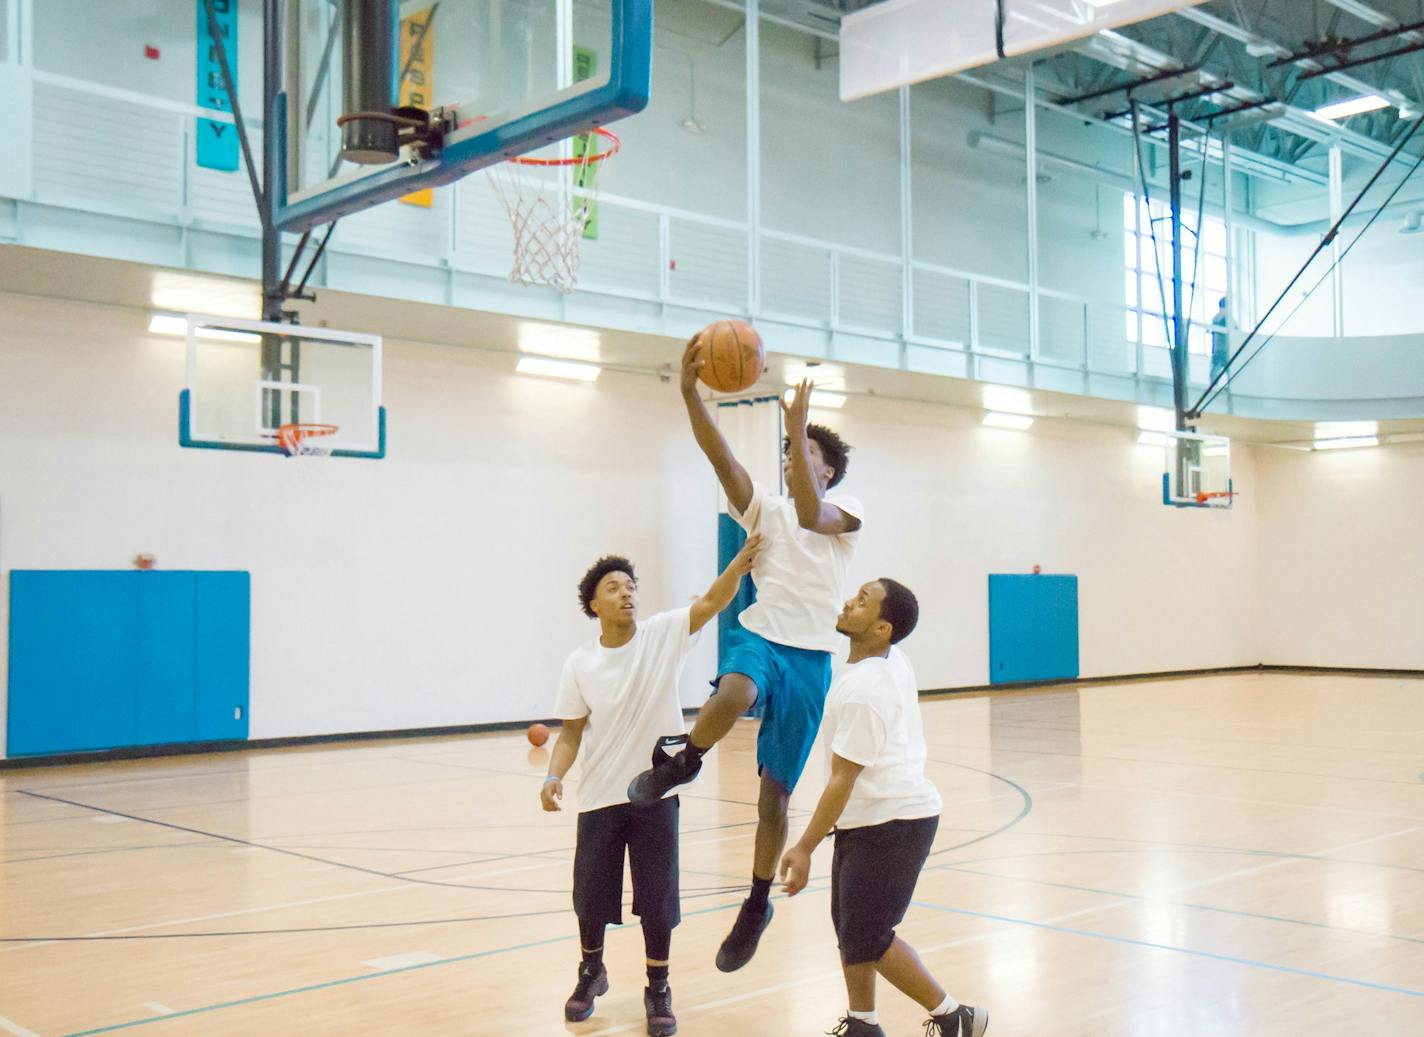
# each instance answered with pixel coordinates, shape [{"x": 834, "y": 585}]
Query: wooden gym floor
[{"x": 1222, "y": 855}]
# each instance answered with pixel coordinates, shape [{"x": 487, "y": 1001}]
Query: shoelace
[
  {"x": 660, "y": 1002},
  {"x": 587, "y": 978},
  {"x": 936, "y": 1029},
  {"x": 841, "y": 1029}
]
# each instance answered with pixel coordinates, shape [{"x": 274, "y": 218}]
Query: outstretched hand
[
  {"x": 796, "y": 412},
  {"x": 692, "y": 364},
  {"x": 745, "y": 559}
]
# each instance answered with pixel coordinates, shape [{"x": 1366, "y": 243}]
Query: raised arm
[
  {"x": 796, "y": 864},
  {"x": 736, "y": 483},
  {"x": 812, "y": 512},
  {"x": 724, "y": 587},
  {"x": 565, "y": 752}
]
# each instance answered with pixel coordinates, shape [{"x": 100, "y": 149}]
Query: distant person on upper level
[{"x": 1220, "y": 340}]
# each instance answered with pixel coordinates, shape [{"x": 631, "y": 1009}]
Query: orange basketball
[
  {"x": 538, "y": 734},
  {"x": 732, "y": 356}
]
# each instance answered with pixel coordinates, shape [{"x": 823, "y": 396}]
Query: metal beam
[
  {"x": 1252, "y": 39},
  {"x": 1128, "y": 54}
]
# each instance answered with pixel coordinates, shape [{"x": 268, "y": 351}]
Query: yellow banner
[{"x": 417, "y": 85}]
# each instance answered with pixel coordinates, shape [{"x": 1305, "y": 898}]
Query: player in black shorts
[
  {"x": 884, "y": 811},
  {"x": 617, "y": 695}
]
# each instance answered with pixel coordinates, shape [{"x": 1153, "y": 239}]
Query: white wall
[
  {"x": 1342, "y": 562},
  {"x": 436, "y": 587}
]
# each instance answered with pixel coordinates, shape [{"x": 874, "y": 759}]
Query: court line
[
  {"x": 1207, "y": 766},
  {"x": 366, "y": 977},
  {"x": 15, "y": 1028},
  {"x": 1194, "y": 952},
  {"x": 1179, "y": 903}
]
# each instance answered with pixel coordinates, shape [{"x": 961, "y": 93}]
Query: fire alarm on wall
[{"x": 150, "y": 52}]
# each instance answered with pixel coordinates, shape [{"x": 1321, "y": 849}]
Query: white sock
[
  {"x": 872, "y": 1017},
  {"x": 949, "y": 1005}
]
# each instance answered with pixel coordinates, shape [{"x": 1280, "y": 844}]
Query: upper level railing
[{"x": 99, "y": 150}]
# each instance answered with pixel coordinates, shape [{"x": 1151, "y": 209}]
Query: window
[{"x": 1209, "y": 272}]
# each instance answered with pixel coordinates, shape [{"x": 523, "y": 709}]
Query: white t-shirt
[
  {"x": 873, "y": 719},
  {"x": 799, "y": 575},
  {"x": 629, "y": 695}
]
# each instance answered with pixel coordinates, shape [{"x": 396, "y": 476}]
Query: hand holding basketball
[{"x": 692, "y": 364}]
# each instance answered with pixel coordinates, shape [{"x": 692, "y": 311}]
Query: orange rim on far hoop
[
  {"x": 1202, "y": 498},
  {"x": 303, "y": 438},
  {"x": 612, "y": 145}
]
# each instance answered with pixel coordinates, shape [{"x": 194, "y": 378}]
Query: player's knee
[
  {"x": 737, "y": 691},
  {"x": 866, "y": 950},
  {"x": 772, "y": 803}
]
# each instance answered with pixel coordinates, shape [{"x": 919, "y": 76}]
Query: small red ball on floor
[{"x": 538, "y": 734}]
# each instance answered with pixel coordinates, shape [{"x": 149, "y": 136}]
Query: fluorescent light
[
  {"x": 559, "y": 340},
  {"x": 827, "y": 400},
  {"x": 1352, "y": 106},
  {"x": 1102, "y": 3},
  {"x": 1006, "y": 400},
  {"x": 1345, "y": 429},
  {"x": 1346, "y": 442},
  {"x": 1150, "y": 438},
  {"x": 827, "y": 375},
  {"x": 1156, "y": 419},
  {"x": 177, "y": 327},
  {"x": 546, "y": 368},
  {"x": 994, "y": 419}
]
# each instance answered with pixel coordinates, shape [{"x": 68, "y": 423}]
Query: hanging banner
[
  {"x": 585, "y": 65},
  {"x": 217, "y": 141},
  {"x": 417, "y": 77}
]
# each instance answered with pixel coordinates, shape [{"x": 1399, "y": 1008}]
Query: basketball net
[
  {"x": 306, "y": 440},
  {"x": 549, "y": 209}
]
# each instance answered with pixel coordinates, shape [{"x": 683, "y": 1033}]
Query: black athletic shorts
[
  {"x": 650, "y": 836},
  {"x": 873, "y": 875}
]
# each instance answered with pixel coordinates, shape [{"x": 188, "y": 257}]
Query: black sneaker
[
  {"x": 668, "y": 771},
  {"x": 849, "y": 1027},
  {"x": 592, "y": 983},
  {"x": 741, "y": 943},
  {"x": 658, "y": 1005},
  {"x": 964, "y": 1021}
]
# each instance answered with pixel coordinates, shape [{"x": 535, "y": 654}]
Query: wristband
[{"x": 551, "y": 778}]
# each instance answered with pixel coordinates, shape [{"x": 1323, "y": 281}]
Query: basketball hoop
[
  {"x": 306, "y": 440},
  {"x": 548, "y": 212},
  {"x": 1219, "y": 495}
]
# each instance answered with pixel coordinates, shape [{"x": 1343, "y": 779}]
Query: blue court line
[
  {"x": 1181, "y": 903},
  {"x": 347, "y": 980},
  {"x": 1212, "y": 955}
]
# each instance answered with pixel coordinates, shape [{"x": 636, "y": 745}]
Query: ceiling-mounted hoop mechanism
[{"x": 416, "y": 128}]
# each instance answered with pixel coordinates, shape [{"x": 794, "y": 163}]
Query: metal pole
[
  {"x": 1179, "y": 322},
  {"x": 1337, "y": 275},
  {"x": 1229, "y": 200},
  {"x": 1031, "y": 153},
  {"x": 753, "y": 29},
  {"x": 907, "y": 242},
  {"x": 271, "y": 237}
]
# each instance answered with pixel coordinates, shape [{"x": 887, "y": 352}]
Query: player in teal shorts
[{"x": 781, "y": 657}]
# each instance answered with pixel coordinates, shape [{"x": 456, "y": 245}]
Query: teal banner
[{"x": 217, "y": 141}]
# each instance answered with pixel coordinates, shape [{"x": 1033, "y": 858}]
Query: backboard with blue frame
[{"x": 502, "y": 78}]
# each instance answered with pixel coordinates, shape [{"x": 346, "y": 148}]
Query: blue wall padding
[
  {"x": 106, "y": 660},
  {"x": 1033, "y": 628}
]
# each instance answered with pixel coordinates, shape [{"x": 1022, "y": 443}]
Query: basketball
[
  {"x": 538, "y": 734},
  {"x": 732, "y": 356}
]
